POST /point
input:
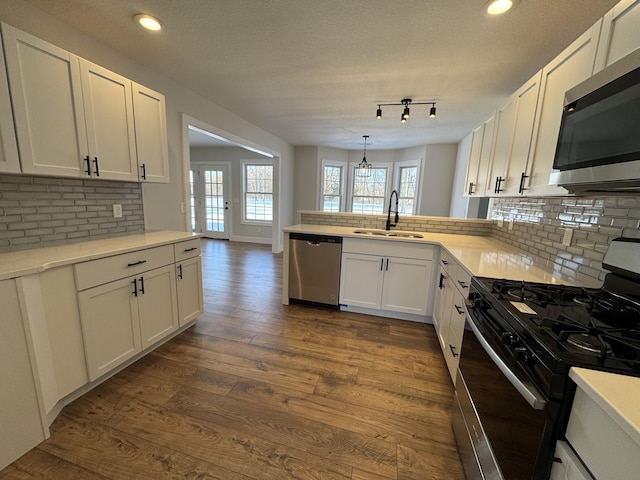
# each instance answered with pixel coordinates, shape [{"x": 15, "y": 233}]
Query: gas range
[{"x": 570, "y": 326}]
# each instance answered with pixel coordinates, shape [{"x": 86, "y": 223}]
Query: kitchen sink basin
[{"x": 385, "y": 233}]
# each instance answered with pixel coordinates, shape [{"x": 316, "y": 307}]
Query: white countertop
[
  {"x": 26, "y": 262},
  {"x": 480, "y": 256},
  {"x": 617, "y": 395}
]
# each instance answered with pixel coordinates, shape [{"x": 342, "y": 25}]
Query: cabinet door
[
  {"x": 46, "y": 94},
  {"x": 471, "y": 182},
  {"x": 441, "y": 309},
  {"x": 571, "y": 67},
  {"x": 454, "y": 335},
  {"x": 110, "y": 325},
  {"x": 620, "y": 33},
  {"x": 526, "y": 101},
  {"x": 361, "y": 280},
  {"x": 21, "y": 425},
  {"x": 406, "y": 283},
  {"x": 157, "y": 304},
  {"x": 505, "y": 122},
  {"x": 189, "y": 281},
  {"x": 108, "y": 107},
  {"x": 151, "y": 135},
  {"x": 483, "y": 181},
  {"x": 9, "y": 161}
]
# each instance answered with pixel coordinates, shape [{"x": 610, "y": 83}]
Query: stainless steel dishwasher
[{"x": 314, "y": 268}]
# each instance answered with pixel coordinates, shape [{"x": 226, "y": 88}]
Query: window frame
[
  {"x": 245, "y": 220},
  {"x": 397, "y": 166},
  {"x": 387, "y": 187},
  {"x": 343, "y": 184}
]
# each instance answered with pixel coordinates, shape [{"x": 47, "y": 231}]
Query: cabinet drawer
[
  {"x": 447, "y": 260},
  {"x": 97, "y": 272},
  {"x": 463, "y": 280},
  {"x": 188, "y": 249}
]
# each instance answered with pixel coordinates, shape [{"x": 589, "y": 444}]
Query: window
[
  {"x": 407, "y": 177},
  {"x": 332, "y": 196},
  {"x": 370, "y": 192},
  {"x": 258, "y": 192},
  {"x": 193, "y": 201}
]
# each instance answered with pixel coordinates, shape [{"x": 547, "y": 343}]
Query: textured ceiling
[{"x": 312, "y": 71}]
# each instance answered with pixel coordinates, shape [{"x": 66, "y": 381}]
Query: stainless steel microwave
[{"x": 598, "y": 146}]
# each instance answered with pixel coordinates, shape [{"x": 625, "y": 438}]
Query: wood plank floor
[{"x": 259, "y": 390}]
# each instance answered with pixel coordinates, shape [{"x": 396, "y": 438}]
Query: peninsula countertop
[
  {"x": 27, "y": 262},
  {"x": 481, "y": 256}
]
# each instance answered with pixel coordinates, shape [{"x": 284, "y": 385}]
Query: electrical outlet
[
  {"x": 117, "y": 210},
  {"x": 566, "y": 238},
  {"x": 510, "y": 221},
  {"x": 183, "y": 207},
  {"x": 500, "y": 222}
]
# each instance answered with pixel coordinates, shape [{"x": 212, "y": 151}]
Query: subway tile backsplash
[
  {"x": 39, "y": 211},
  {"x": 539, "y": 225},
  {"x": 415, "y": 224}
]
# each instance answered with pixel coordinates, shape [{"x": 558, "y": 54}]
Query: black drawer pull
[
  {"x": 462, "y": 284},
  {"x": 190, "y": 249},
  {"x": 135, "y": 287},
  {"x": 180, "y": 271},
  {"x": 453, "y": 351},
  {"x": 441, "y": 282},
  {"x": 142, "y": 285},
  {"x": 136, "y": 263},
  {"x": 459, "y": 309},
  {"x": 444, "y": 262}
]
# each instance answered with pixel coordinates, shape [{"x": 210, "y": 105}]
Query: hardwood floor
[{"x": 259, "y": 390}]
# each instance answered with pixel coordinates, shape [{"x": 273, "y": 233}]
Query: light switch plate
[
  {"x": 117, "y": 210},
  {"x": 566, "y": 238},
  {"x": 500, "y": 222},
  {"x": 510, "y": 221}
]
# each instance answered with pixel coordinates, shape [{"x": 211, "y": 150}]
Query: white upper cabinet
[
  {"x": 45, "y": 87},
  {"x": 76, "y": 119},
  {"x": 620, "y": 33},
  {"x": 480, "y": 158},
  {"x": 108, "y": 107},
  {"x": 9, "y": 160},
  {"x": 514, "y": 127},
  {"x": 151, "y": 135},
  {"x": 572, "y": 66}
]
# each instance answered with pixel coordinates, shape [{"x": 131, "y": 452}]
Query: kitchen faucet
[{"x": 397, "y": 217}]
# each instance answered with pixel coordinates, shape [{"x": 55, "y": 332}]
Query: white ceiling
[{"x": 313, "y": 71}]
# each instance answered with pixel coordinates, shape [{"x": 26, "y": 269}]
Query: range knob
[
  {"x": 509, "y": 338},
  {"x": 522, "y": 354}
]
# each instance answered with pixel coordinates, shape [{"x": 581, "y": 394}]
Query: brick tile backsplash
[
  {"x": 539, "y": 225},
  {"x": 39, "y": 211}
]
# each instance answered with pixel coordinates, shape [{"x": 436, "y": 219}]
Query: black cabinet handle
[
  {"x": 88, "y": 170},
  {"x": 523, "y": 177},
  {"x": 180, "y": 271},
  {"x": 458, "y": 309},
  {"x": 136, "y": 263},
  {"x": 142, "y": 285},
  {"x": 462, "y": 284},
  {"x": 453, "y": 351},
  {"x": 498, "y": 188},
  {"x": 190, "y": 249},
  {"x": 470, "y": 191},
  {"x": 387, "y": 267},
  {"x": 144, "y": 171},
  {"x": 441, "y": 282},
  {"x": 135, "y": 287},
  {"x": 444, "y": 262},
  {"x": 381, "y": 263},
  {"x": 95, "y": 163}
]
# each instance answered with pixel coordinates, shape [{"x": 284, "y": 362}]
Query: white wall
[
  {"x": 306, "y": 167},
  {"x": 439, "y": 168},
  {"x": 161, "y": 201},
  {"x": 234, "y": 156},
  {"x": 460, "y": 203}
]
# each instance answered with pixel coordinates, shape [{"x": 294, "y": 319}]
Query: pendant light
[{"x": 363, "y": 169}]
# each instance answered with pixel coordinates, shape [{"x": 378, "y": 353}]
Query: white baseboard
[{"x": 237, "y": 238}]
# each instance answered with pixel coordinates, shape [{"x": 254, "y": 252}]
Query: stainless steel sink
[{"x": 385, "y": 233}]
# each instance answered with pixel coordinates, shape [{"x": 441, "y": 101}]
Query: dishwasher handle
[{"x": 314, "y": 240}]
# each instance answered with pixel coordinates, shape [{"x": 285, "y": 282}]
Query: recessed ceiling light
[
  {"x": 148, "y": 22},
  {"x": 498, "y": 7}
]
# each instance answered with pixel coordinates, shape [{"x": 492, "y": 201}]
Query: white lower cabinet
[
  {"x": 189, "y": 283},
  {"x": 568, "y": 466},
  {"x": 385, "y": 275},
  {"x": 449, "y": 315},
  {"x": 21, "y": 425}
]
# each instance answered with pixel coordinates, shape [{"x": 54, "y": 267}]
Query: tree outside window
[
  {"x": 407, "y": 189},
  {"x": 331, "y": 188},
  {"x": 369, "y": 192},
  {"x": 258, "y": 192}
]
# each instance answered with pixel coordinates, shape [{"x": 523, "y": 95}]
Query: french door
[{"x": 210, "y": 200}]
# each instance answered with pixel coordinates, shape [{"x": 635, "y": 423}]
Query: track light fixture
[
  {"x": 363, "y": 169},
  {"x": 406, "y": 112}
]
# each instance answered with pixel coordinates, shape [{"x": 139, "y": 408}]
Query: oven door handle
[{"x": 528, "y": 391}]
